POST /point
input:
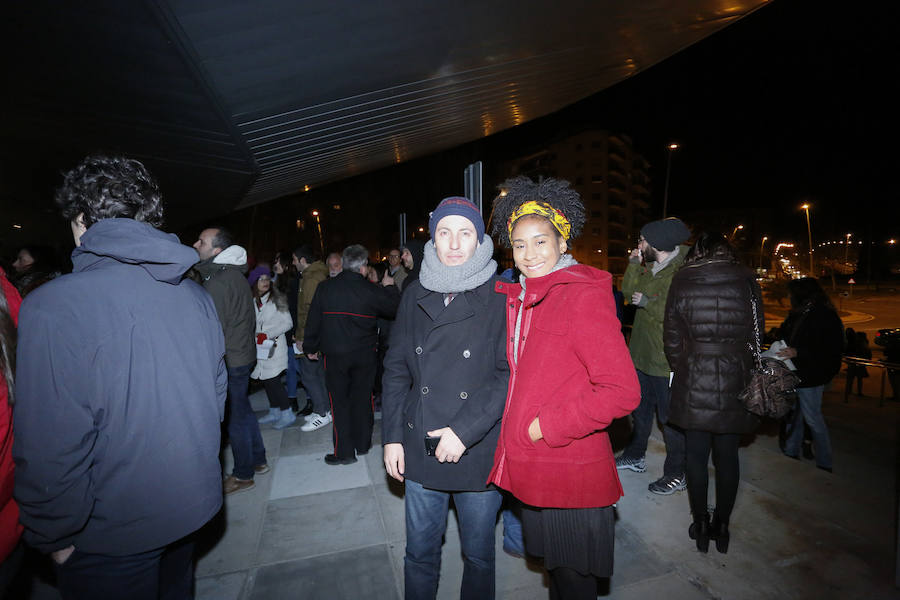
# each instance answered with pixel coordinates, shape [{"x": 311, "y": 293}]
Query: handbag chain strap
[{"x": 757, "y": 351}]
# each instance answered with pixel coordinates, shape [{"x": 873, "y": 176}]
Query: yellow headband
[{"x": 559, "y": 221}]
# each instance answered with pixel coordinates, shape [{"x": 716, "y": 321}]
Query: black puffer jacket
[{"x": 708, "y": 324}]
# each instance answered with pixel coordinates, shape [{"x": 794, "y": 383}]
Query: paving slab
[
  {"x": 302, "y": 474},
  {"x": 315, "y": 524},
  {"x": 350, "y": 575}
]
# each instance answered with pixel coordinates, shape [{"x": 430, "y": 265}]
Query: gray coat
[
  {"x": 446, "y": 366},
  {"x": 708, "y": 325}
]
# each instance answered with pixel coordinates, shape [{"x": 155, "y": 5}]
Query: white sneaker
[{"x": 317, "y": 422}]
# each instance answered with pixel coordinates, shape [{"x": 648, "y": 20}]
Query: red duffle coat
[{"x": 573, "y": 371}]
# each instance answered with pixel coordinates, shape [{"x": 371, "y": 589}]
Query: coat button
[
  {"x": 425, "y": 389},
  {"x": 410, "y": 425},
  {"x": 466, "y": 354},
  {"x": 418, "y": 349},
  {"x": 463, "y": 395}
]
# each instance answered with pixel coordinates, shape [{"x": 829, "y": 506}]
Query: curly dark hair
[
  {"x": 104, "y": 187},
  {"x": 556, "y": 193}
]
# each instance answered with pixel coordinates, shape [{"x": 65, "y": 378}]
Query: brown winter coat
[{"x": 708, "y": 324}]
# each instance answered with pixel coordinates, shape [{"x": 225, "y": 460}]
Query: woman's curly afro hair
[{"x": 554, "y": 192}]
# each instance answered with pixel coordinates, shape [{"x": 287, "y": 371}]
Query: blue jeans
[
  {"x": 243, "y": 428},
  {"x": 291, "y": 377},
  {"x": 313, "y": 376},
  {"x": 426, "y": 523},
  {"x": 809, "y": 409},
  {"x": 513, "y": 540},
  {"x": 655, "y": 397}
]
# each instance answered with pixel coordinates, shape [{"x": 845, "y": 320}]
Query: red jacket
[
  {"x": 574, "y": 372},
  {"x": 10, "y": 528}
]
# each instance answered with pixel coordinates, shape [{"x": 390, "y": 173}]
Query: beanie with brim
[{"x": 666, "y": 234}]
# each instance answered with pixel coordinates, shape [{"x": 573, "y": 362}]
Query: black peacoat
[
  {"x": 706, "y": 334},
  {"x": 446, "y": 367}
]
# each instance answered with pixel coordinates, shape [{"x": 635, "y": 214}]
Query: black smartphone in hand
[{"x": 431, "y": 444}]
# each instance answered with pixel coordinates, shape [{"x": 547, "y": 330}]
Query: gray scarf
[
  {"x": 565, "y": 260},
  {"x": 435, "y": 276}
]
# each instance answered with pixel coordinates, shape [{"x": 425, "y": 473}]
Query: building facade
[{"x": 614, "y": 184}]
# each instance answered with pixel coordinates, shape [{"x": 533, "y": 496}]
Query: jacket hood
[
  {"x": 132, "y": 242},
  {"x": 576, "y": 274},
  {"x": 232, "y": 255}
]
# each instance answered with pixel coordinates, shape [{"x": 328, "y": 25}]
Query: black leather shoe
[
  {"x": 699, "y": 531},
  {"x": 718, "y": 531},
  {"x": 331, "y": 459}
]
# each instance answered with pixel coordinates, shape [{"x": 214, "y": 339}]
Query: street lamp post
[
  {"x": 763, "y": 243},
  {"x": 847, "y": 248},
  {"x": 812, "y": 271},
  {"x": 315, "y": 213},
  {"x": 731, "y": 237},
  {"x": 670, "y": 148}
]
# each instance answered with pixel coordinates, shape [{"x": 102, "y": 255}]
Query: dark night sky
[{"x": 788, "y": 105}]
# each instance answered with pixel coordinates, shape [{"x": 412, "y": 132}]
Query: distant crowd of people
[{"x": 494, "y": 391}]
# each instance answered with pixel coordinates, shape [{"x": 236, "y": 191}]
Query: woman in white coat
[{"x": 273, "y": 320}]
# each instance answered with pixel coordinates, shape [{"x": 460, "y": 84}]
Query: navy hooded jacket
[{"x": 121, "y": 386}]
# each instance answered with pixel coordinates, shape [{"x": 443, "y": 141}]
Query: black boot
[
  {"x": 699, "y": 530},
  {"x": 718, "y": 530}
]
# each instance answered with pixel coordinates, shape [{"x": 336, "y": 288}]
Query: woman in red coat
[
  {"x": 10, "y": 528},
  {"x": 571, "y": 375}
]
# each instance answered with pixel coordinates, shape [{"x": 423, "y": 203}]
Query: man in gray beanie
[
  {"x": 647, "y": 279},
  {"x": 443, "y": 393}
]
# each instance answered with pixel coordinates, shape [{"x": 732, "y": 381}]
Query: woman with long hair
[
  {"x": 272, "y": 322},
  {"x": 287, "y": 280},
  {"x": 571, "y": 376},
  {"x": 706, "y": 334},
  {"x": 815, "y": 337}
]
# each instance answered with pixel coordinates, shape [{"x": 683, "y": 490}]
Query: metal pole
[
  {"x": 812, "y": 271},
  {"x": 666, "y": 188}
]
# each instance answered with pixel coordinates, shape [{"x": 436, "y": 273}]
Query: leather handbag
[{"x": 772, "y": 390}]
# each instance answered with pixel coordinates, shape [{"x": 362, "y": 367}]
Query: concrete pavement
[{"x": 314, "y": 531}]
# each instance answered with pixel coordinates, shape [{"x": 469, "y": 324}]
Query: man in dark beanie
[
  {"x": 443, "y": 393},
  {"x": 647, "y": 279}
]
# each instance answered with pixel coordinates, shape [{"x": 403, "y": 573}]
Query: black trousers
[
  {"x": 349, "y": 378},
  {"x": 276, "y": 393},
  {"x": 724, "y": 448}
]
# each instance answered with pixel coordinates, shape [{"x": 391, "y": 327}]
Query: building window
[
  {"x": 579, "y": 181},
  {"x": 597, "y": 179}
]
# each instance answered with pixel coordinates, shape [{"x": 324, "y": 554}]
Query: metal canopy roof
[{"x": 232, "y": 102}]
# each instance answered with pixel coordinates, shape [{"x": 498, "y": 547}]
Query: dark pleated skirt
[{"x": 578, "y": 538}]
